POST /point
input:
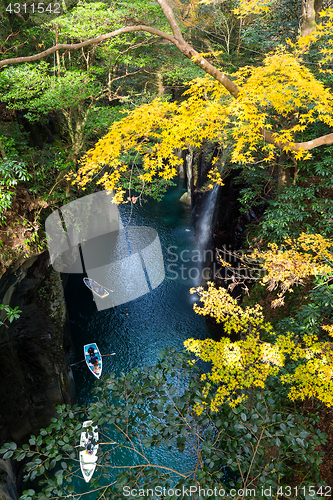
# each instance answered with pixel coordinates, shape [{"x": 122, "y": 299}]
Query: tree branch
[
  {"x": 189, "y": 52},
  {"x": 168, "y": 12},
  {"x": 75, "y": 46},
  {"x": 296, "y": 146}
]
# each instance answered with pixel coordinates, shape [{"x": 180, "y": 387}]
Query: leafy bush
[
  {"x": 11, "y": 173},
  {"x": 297, "y": 209}
]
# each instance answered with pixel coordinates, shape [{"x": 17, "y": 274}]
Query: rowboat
[
  {"x": 96, "y": 288},
  {"x": 94, "y": 362},
  {"x": 88, "y": 456}
]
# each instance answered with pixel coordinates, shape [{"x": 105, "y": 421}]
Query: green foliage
[
  {"x": 11, "y": 173},
  {"x": 89, "y": 20},
  {"x": 10, "y": 314},
  {"x": 265, "y": 31},
  {"x": 33, "y": 86},
  {"x": 316, "y": 310},
  {"x": 297, "y": 209},
  {"x": 256, "y": 187},
  {"x": 259, "y": 445}
]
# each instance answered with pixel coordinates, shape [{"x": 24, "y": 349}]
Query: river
[{"x": 138, "y": 330}]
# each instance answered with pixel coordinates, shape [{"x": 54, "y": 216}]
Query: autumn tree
[
  {"x": 262, "y": 110},
  {"x": 299, "y": 357},
  {"x": 78, "y": 84}
]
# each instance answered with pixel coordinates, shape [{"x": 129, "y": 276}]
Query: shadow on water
[{"x": 138, "y": 330}]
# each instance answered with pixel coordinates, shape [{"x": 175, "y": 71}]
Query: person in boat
[
  {"x": 93, "y": 359},
  {"x": 90, "y": 448},
  {"x": 91, "y": 351},
  {"x": 96, "y": 368}
]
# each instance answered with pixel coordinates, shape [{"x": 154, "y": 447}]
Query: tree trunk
[
  {"x": 318, "y": 6},
  {"x": 283, "y": 177},
  {"x": 284, "y": 173},
  {"x": 310, "y": 14},
  {"x": 181, "y": 172},
  {"x": 160, "y": 86},
  {"x": 189, "y": 172},
  {"x": 57, "y": 53},
  {"x": 2, "y": 151}
]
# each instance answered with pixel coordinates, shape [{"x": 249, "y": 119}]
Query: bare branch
[
  {"x": 168, "y": 12},
  {"x": 75, "y": 46}
]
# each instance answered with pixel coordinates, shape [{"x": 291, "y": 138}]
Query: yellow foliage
[
  {"x": 154, "y": 131},
  {"x": 312, "y": 379},
  {"x": 328, "y": 329},
  {"x": 243, "y": 364},
  {"x": 307, "y": 256},
  {"x": 281, "y": 96},
  {"x": 188, "y": 13},
  {"x": 247, "y": 363},
  {"x": 324, "y": 32},
  {"x": 219, "y": 304},
  {"x": 246, "y": 7},
  {"x": 235, "y": 366},
  {"x": 281, "y": 86}
]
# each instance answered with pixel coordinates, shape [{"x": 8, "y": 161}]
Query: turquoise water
[{"x": 138, "y": 330}]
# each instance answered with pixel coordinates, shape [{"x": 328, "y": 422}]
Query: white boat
[
  {"x": 94, "y": 362},
  {"x": 96, "y": 288},
  {"x": 88, "y": 456}
]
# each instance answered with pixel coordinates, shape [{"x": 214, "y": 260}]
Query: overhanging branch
[
  {"x": 324, "y": 140},
  {"x": 189, "y": 52},
  {"x": 76, "y": 46}
]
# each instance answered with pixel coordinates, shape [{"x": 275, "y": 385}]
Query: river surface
[{"x": 138, "y": 330}]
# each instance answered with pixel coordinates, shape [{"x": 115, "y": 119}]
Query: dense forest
[{"x": 127, "y": 96}]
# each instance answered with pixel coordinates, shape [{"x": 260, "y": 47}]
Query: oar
[
  {"x": 78, "y": 362},
  {"x": 73, "y": 364}
]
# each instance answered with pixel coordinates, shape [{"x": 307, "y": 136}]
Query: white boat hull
[
  {"x": 96, "y": 288},
  {"x": 87, "y": 461}
]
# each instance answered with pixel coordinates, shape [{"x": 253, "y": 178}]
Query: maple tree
[
  {"x": 241, "y": 113},
  {"x": 277, "y": 104},
  {"x": 301, "y": 359},
  {"x": 255, "y": 113},
  {"x": 240, "y": 110}
]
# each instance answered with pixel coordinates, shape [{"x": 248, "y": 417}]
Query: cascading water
[{"x": 204, "y": 233}]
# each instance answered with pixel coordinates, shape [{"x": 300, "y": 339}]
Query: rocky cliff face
[{"x": 34, "y": 371}]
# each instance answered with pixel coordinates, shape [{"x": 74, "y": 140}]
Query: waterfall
[{"x": 204, "y": 231}]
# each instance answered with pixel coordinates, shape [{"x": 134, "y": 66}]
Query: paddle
[
  {"x": 73, "y": 364},
  {"x": 82, "y": 360}
]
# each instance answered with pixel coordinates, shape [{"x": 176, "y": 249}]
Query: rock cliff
[{"x": 34, "y": 371}]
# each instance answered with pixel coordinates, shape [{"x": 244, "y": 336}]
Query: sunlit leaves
[
  {"x": 220, "y": 305},
  {"x": 247, "y": 363},
  {"x": 308, "y": 255},
  {"x": 235, "y": 367},
  {"x": 282, "y": 91}
]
